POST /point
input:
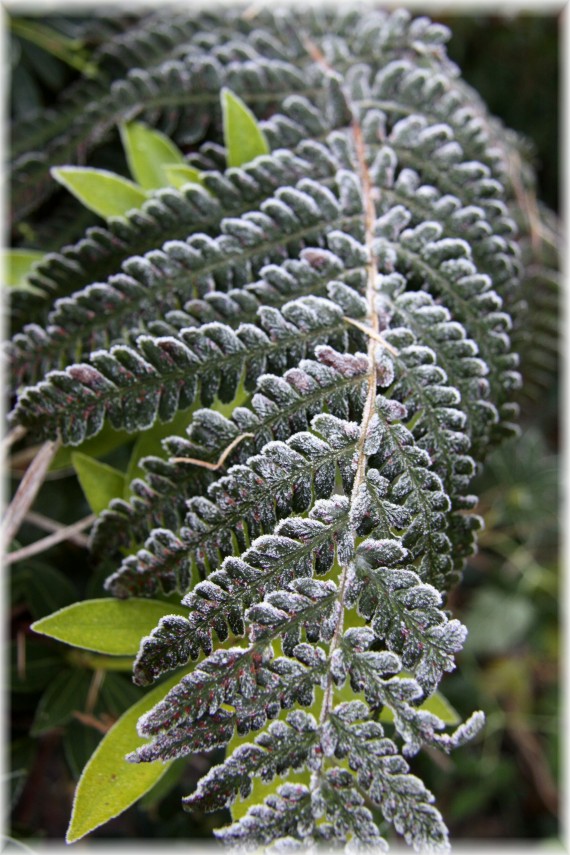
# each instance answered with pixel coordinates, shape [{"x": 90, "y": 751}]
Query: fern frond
[
  {"x": 181, "y": 91},
  {"x": 132, "y": 387},
  {"x": 171, "y": 215},
  {"x": 349, "y": 299},
  {"x": 164, "y": 280},
  {"x": 279, "y": 407}
]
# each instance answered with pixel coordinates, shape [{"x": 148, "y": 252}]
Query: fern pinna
[{"x": 349, "y": 295}]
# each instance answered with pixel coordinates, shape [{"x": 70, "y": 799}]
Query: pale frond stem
[
  {"x": 21, "y": 459},
  {"x": 316, "y": 54},
  {"x": 47, "y": 524},
  {"x": 252, "y": 11},
  {"x": 368, "y": 331},
  {"x": 94, "y": 689},
  {"x": 27, "y": 491},
  {"x": 373, "y": 333},
  {"x": 92, "y": 721},
  {"x": 205, "y": 464},
  {"x": 15, "y": 435},
  {"x": 21, "y": 654},
  {"x": 63, "y": 533},
  {"x": 526, "y": 199}
]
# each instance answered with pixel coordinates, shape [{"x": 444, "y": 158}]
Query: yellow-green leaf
[
  {"x": 148, "y": 152},
  {"x": 68, "y": 50},
  {"x": 149, "y": 443},
  {"x": 66, "y": 693},
  {"x": 107, "y": 194},
  {"x": 437, "y": 704},
  {"x": 243, "y": 138},
  {"x": 106, "y": 440},
  {"x": 109, "y": 784},
  {"x": 16, "y": 265},
  {"x": 177, "y": 175},
  {"x": 99, "y": 482},
  {"x": 261, "y": 789},
  {"x": 106, "y": 625}
]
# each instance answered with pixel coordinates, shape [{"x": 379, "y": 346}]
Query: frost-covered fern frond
[{"x": 349, "y": 296}]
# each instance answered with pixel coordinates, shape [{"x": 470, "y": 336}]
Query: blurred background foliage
[{"x": 505, "y": 786}]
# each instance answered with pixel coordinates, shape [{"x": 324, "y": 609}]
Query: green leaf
[
  {"x": 33, "y": 666},
  {"x": 436, "y": 704},
  {"x": 243, "y": 138},
  {"x": 109, "y": 784},
  {"x": 148, "y": 152},
  {"x": 117, "y": 694},
  {"x": 99, "y": 482},
  {"x": 66, "y": 693},
  {"x": 43, "y": 588},
  {"x": 16, "y": 265},
  {"x": 79, "y": 743},
  {"x": 107, "y": 626},
  {"x": 99, "y": 661},
  {"x": 180, "y": 174},
  {"x": 496, "y": 621},
  {"x": 70, "y": 51},
  {"x": 149, "y": 443},
  {"x": 103, "y": 192},
  {"x": 261, "y": 789},
  {"x": 20, "y": 761},
  {"x": 98, "y": 446},
  {"x": 167, "y": 783}
]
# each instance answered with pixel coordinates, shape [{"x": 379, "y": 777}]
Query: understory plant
[{"x": 306, "y": 321}]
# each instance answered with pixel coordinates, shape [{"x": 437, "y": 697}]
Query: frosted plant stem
[{"x": 369, "y": 407}]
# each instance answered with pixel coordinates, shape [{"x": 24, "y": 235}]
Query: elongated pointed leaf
[
  {"x": 107, "y": 626},
  {"x": 261, "y": 789},
  {"x": 33, "y": 666},
  {"x": 16, "y": 264},
  {"x": 177, "y": 175},
  {"x": 43, "y": 588},
  {"x": 66, "y": 693},
  {"x": 243, "y": 137},
  {"x": 107, "y": 440},
  {"x": 148, "y": 152},
  {"x": 103, "y": 192},
  {"x": 109, "y": 784},
  {"x": 117, "y": 693},
  {"x": 149, "y": 443},
  {"x": 437, "y": 704},
  {"x": 99, "y": 482}
]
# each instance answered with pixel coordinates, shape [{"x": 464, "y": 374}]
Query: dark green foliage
[{"x": 349, "y": 297}]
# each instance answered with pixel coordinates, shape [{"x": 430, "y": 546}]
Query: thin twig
[
  {"x": 316, "y": 54},
  {"x": 64, "y": 533},
  {"x": 527, "y": 201},
  {"x": 14, "y": 436},
  {"x": 94, "y": 688},
  {"x": 21, "y": 655},
  {"x": 221, "y": 460},
  {"x": 530, "y": 749},
  {"x": 371, "y": 334},
  {"x": 252, "y": 10},
  {"x": 21, "y": 459},
  {"x": 27, "y": 491},
  {"x": 47, "y": 524},
  {"x": 103, "y": 724}
]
